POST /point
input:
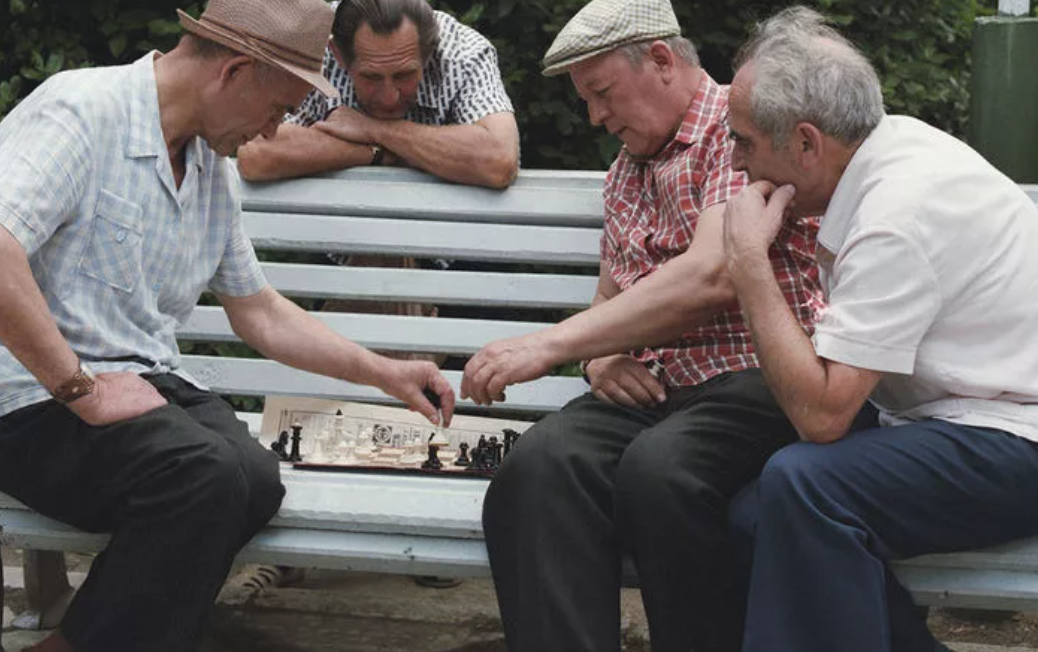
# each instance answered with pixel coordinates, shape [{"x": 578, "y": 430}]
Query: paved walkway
[{"x": 355, "y": 612}]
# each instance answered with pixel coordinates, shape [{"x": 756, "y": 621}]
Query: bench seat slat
[
  {"x": 553, "y": 291},
  {"x": 379, "y": 332},
  {"x": 261, "y": 377},
  {"x": 450, "y": 240}
]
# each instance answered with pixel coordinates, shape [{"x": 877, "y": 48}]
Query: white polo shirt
[{"x": 933, "y": 279}]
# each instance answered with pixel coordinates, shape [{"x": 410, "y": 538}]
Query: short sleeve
[
  {"x": 239, "y": 273},
  {"x": 721, "y": 181},
  {"x": 482, "y": 91},
  {"x": 884, "y": 297},
  {"x": 45, "y": 164}
]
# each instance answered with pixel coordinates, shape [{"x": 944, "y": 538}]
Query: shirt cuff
[{"x": 864, "y": 355}]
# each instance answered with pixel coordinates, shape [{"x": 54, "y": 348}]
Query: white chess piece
[
  {"x": 366, "y": 446},
  {"x": 322, "y": 447}
]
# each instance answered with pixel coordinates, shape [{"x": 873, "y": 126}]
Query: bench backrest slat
[
  {"x": 552, "y": 291},
  {"x": 425, "y": 239},
  {"x": 262, "y": 377},
  {"x": 379, "y": 332}
]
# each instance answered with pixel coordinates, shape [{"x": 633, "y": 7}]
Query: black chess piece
[
  {"x": 433, "y": 463},
  {"x": 463, "y": 456},
  {"x": 297, "y": 436},
  {"x": 494, "y": 447},
  {"x": 280, "y": 446},
  {"x": 510, "y": 438}
]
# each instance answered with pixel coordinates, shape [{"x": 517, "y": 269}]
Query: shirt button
[{"x": 120, "y": 235}]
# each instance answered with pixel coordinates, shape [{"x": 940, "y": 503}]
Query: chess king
[{"x": 118, "y": 209}]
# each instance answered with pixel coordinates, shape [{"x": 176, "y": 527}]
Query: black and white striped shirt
[{"x": 461, "y": 82}]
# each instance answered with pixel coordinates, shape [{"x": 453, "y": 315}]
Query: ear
[
  {"x": 336, "y": 52},
  {"x": 808, "y": 145},
  {"x": 233, "y": 69},
  {"x": 662, "y": 58}
]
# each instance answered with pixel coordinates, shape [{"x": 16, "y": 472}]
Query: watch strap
[{"x": 77, "y": 386}]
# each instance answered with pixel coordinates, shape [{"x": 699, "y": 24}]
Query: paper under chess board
[{"x": 390, "y": 432}]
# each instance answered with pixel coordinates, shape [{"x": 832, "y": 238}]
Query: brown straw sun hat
[{"x": 287, "y": 34}]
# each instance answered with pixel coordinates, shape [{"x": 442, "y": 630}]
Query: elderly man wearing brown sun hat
[{"x": 117, "y": 210}]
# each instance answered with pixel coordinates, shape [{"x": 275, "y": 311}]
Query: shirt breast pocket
[{"x": 114, "y": 253}]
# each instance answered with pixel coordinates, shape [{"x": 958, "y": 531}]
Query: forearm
[
  {"x": 298, "y": 151},
  {"x": 283, "y": 331},
  {"x": 469, "y": 154},
  {"x": 27, "y": 328},
  {"x": 797, "y": 377},
  {"x": 657, "y": 310}
]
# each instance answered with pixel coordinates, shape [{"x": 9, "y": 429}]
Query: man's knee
[
  {"x": 650, "y": 479},
  {"x": 794, "y": 473}
]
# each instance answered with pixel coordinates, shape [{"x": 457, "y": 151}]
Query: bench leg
[{"x": 47, "y": 590}]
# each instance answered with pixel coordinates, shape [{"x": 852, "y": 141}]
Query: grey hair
[
  {"x": 384, "y": 17},
  {"x": 806, "y": 71},
  {"x": 682, "y": 47}
]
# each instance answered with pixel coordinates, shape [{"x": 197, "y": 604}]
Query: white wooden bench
[{"x": 431, "y": 525}]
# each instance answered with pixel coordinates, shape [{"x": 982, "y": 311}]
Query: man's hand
[
  {"x": 753, "y": 218},
  {"x": 117, "y": 397},
  {"x": 349, "y": 124},
  {"x": 623, "y": 380},
  {"x": 405, "y": 379},
  {"x": 503, "y": 363}
]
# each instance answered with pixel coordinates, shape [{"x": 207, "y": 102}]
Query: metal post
[{"x": 1004, "y": 91}]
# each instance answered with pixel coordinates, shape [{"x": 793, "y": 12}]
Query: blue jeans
[{"x": 816, "y": 530}]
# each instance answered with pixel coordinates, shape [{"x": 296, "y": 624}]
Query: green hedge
[{"x": 920, "y": 48}]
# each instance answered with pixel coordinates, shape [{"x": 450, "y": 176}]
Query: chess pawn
[
  {"x": 414, "y": 451},
  {"x": 322, "y": 447},
  {"x": 463, "y": 456}
]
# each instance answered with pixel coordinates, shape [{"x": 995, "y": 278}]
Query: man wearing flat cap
[
  {"x": 118, "y": 209},
  {"x": 679, "y": 417}
]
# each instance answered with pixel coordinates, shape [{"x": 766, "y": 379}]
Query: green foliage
[
  {"x": 42, "y": 37},
  {"x": 921, "y": 50}
]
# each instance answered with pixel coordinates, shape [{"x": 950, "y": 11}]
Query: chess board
[
  {"x": 388, "y": 460},
  {"x": 397, "y": 436}
]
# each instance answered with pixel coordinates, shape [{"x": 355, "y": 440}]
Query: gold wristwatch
[{"x": 79, "y": 385}]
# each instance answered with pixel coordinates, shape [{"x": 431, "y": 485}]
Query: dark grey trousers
[
  {"x": 181, "y": 489},
  {"x": 596, "y": 481}
]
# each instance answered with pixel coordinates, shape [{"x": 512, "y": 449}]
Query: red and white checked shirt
[{"x": 651, "y": 210}]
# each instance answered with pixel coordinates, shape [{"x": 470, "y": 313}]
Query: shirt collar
[
  {"x": 836, "y": 223},
  {"x": 701, "y": 114},
  {"x": 145, "y": 137}
]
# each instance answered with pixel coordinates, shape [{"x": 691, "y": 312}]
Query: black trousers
[
  {"x": 181, "y": 489},
  {"x": 595, "y": 481}
]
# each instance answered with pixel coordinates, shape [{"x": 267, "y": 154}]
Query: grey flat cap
[{"x": 604, "y": 25}]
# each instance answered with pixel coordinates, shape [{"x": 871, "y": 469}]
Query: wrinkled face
[
  {"x": 386, "y": 69},
  {"x": 629, "y": 100},
  {"x": 253, "y": 102},
  {"x": 753, "y": 151}
]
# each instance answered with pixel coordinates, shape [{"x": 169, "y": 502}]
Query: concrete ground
[{"x": 356, "y": 612}]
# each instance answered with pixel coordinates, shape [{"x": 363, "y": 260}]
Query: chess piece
[
  {"x": 433, "y": 462},
  {"x": 495, "y": 452},
  {"x": 280, "y": 446},
  {"x": 463, "y": 456},
  {"x": 322, "y": 452},
  {"x": 511, "y": 436},
  {"x": 297, "y": 436}
]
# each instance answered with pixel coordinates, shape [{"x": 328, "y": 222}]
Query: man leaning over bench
[
  {"x": 645, "y": 463},
  {"x": 927, "y": 259},
  {"x": 118, "y": 209}
]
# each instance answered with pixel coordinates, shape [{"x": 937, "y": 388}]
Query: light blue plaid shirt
[{"x": 120, "y": 253}]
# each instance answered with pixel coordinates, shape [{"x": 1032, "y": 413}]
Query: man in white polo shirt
[{"x": 926, "y": 255}]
